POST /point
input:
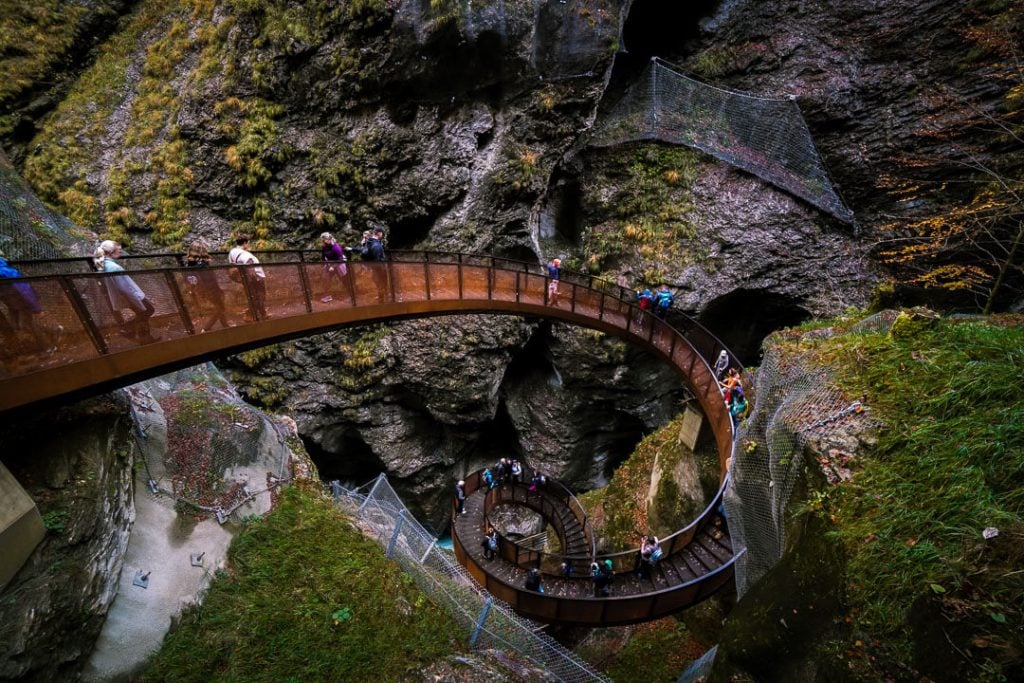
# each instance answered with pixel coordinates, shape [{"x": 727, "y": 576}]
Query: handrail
[
  {"x": 624, "y": 560},
  {"x": 313, "y": 257}
]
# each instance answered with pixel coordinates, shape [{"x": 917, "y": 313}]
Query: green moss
[
  {"x": 623, "y": 503},
  {"x": 266, "y": 391},
  {"x": 306, "y": 597},
  {"x": 652, "y": 207},
  {"x": 950, "y": 464},
  {"x": 35, "y": 37},
  {"x": 257, "y": 357},
  {"x": 159, "y": 178},
  {"x": 656, "y": 651}
]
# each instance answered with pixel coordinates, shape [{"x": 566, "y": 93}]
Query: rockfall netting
[
  {"x": 565, "y": 39},
  {"x": 765, "y": 136},
  {"x": 29, "y": 230},
  {"x": 206, "y": 449},
  {"x": 797, "y": 409},
  {"x": 490, "y": 624}
]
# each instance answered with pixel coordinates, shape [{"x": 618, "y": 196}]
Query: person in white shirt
[{"x": 255, "y": 277}]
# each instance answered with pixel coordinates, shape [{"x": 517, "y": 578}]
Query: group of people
[
  {"x": 334, "y": 256},
  {"x": 732, "y": 388},
  {"x": 510, "y": 471},
  {"x": 125, "y": 295},
  {"x": 660, "y": 302}
]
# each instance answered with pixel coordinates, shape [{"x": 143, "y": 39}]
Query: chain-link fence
[
  {"x": 765, "y": 136},
  {"x": 796, "y": 405},
  {"x": 490, "y": 624},
  {"x": 29, "y": 230},
  {"x": 205, "y": 448}
]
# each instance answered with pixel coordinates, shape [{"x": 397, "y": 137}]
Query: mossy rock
[{"x": 912, "y": 323}]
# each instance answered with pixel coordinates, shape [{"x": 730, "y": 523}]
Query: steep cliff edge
[{"x": 875, "y": 495}]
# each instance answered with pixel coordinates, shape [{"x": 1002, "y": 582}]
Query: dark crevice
[
  {"x": 664, "y": 29},
  {"x": 744, "y": 317},
  {"x": 350, "y": 460}
]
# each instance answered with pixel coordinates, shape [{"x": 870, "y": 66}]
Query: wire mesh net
[
  {"x": 764, "y": 136},
  {"x": 699, "y": 670},
  {"x": 203, "y": 446},
  {"x": 382, "y": 515},
  {"x": 797, "y": 406},
  {"x": 28, "y": 230}
]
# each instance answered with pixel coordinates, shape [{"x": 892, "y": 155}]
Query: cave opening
[
  {"x": 664, "y": 29},
  {"x": 564, "y": 217},
  {"x": 498, "y": 439},
  {"x": 348, "y": 458},
  {"x": 409, "y": 231},
  {"x": 744, "y": 317}
]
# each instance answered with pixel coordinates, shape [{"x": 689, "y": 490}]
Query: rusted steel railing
[{"x": 76, "y": 339}]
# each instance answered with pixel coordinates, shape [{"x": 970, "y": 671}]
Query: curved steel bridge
[{"x": 92, "y": 356}]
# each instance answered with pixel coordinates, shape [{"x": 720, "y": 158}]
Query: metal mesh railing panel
[
  {"x": 437, "y": 572},
  {"x": 796, "y": 404},
  {"x": 761, "y": 135}
]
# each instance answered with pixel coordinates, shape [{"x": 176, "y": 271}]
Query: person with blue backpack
[
  {"x": 663, "y": 301},
  {"x": 23, "y": 307}
]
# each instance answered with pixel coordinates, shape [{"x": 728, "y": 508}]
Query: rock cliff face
[
  {"x": 452, "y": 124},
  {"x": 77, "y": 464}
]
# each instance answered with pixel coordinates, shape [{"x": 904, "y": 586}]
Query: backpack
[{"x": 664, "y": 299}]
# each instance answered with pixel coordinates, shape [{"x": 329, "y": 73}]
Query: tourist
[
  {"x": 254, "y": 275},
  {"x": 23, "y": 306},
  {"x": 517, "y": 472},
  {"x": 554, "y": 274},
  {"x": 721, "y": 364},
  {"x": 375, "y": 255},
  {"x": 533, "y": 581},
  {"x": 537, "y": 481},
  {"x": 333, "y": 256},
  {"x": 737, "y": 406},
  {"x": 205, "y": 284},
  {"x": 732, "y": 379},
  {"x": 489, "y": 479},
  {"x": 601, "y": 575},
  {"x": 644, "y": 300},
  {"x": 650, "y": 553},
  {"x": 460, "y": 496},
  {"x": 663, "y": 301},
  {"x": 123, "y": 293},
  {"x": 490, "y": 543}
]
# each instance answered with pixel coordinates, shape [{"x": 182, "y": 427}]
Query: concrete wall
[{"x": 21, "y": 526}]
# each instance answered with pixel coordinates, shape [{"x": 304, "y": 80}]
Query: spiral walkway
[{"x": 77, "y": 347}]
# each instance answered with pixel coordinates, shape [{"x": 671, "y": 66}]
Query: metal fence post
[
  {"x": 480, "y": 621},
  {"x": 394, "y": 534},
  {"x": 427, "y": 554},
  {"x": 369, "y": 495}
]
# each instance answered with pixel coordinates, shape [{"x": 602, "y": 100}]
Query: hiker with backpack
[
  {"x": 663, "y": 301},
  {"x": 490, "y": 543},
  {"x": 644, "y": 300},
  {"x": 602, "y": 576},
  {"x": 23, "y": 307},
  {"x": 533, "y": 581}
]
